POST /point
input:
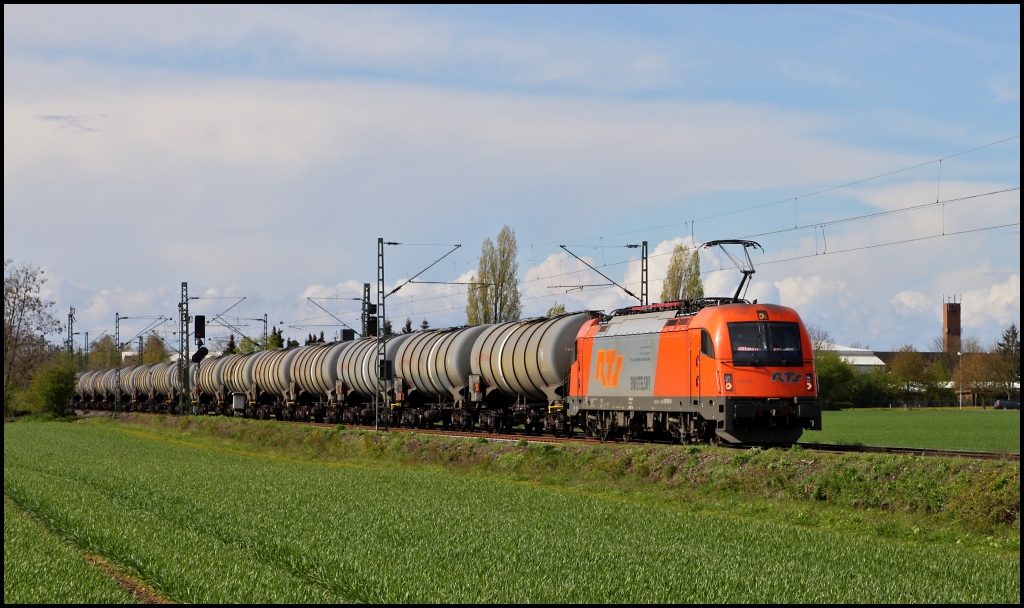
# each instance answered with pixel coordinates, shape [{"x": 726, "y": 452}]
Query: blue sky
[{"x": 260, "y": 152}]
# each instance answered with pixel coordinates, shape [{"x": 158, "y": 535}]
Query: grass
[
  {"x": 982, "y": 430},
  {"x": 216, "y": 525},
  {"x": 40, "y": 568},
  {"x": 945, "y": 500}
]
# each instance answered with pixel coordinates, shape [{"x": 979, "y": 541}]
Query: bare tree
[
  {"x": 683, "y": 280},
  {"x": 28, "y": 319},
  {"x": 494, "y": 291},
  {"x": 821, "y": 340}
]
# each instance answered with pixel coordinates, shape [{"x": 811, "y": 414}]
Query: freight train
[{"x": 712, "y": 370}]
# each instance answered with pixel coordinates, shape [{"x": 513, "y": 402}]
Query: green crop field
[
  {"x": 212, "y": 525},
  {"x": 40, "y": 568},
  {"x": 982, "y": 430}
]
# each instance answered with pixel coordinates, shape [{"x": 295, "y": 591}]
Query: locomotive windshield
[{"x": 766, "y": 343}]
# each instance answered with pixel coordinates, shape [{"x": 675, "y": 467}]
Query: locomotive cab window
[
  {"x": 707, "y": 346},
  {"x": 766, "y": 343}
]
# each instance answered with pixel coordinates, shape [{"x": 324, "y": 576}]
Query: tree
[
  {"x": 407, "y": 328},
  {"x": 821, "y": 340},
  {"x": 494, "y": 291},
  {"x": 389, "y": 331},
  {"x": 291, "y": 343},
  {"x": 246, "y": 345},
  {"x": 908, "y": 368},
  {"x": 28, "y": 318},
  {"x": 1006, "y": 360},
  {"x": 154, "y": 350},
  {"x": 836, "y": 379},
  {"x": 424, "y": 326},
  {"x": 103, "y": 354},
  {"x": 231, "y": 348},
  {"x": 321, "y": 340},
  {"x": 52, "y": 387},
  {"x": 554, "y": 311},
  {"x": 275, "y": 340},
  {"x": 683, "y": 280},
  {"x": 971, "y": 374}
]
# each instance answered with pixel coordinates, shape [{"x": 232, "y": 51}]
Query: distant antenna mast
[{"x": 745, "y": 266}]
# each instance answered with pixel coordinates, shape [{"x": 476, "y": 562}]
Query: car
[{"x": 1003, "y": 404}]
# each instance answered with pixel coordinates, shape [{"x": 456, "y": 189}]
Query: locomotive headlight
[
  {"x": 810, "y": 382},
  {"x": 728, "y": 382}
]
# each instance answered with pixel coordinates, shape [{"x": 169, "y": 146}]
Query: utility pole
[
  {"x": 71, "y": 332},
  {"x": 644, "y": 301},
  {"x": 117, "y": 372},
  {"x": 140, "y": 351},
  {"x": 184, "y": 381},
  {"x": 381, "y": 350},
  {"x": 85, "y": 350},
  {"x": 264, "y": 343}
]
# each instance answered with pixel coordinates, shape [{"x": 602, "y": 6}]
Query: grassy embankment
[
  {"x": 971, "y": 429},
  {"x": 294, "y": 513}
]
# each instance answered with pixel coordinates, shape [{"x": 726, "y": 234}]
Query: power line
[{"x": 793, "y": 198}]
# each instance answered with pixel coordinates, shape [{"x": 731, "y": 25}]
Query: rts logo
[
  {"x": 609, "y": 364},
  {"x": 787, "y": 377}
]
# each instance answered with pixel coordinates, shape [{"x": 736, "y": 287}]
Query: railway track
[
  {"x": 922, "y": 452},
  {"x": 549, "y": 439},
  {"x": 815, "y": 447}
]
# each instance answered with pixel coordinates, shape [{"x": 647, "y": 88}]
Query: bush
[
  {"x": 10, "y": 398},
  {"x": 51, "y": 388}
]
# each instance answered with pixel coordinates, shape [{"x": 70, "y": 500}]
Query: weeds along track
[{"x": 814, "y": 447}]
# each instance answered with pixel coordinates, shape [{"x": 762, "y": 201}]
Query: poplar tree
[
  {"x": 494, "y": 291},
  {"x": 683, "y": 280}
]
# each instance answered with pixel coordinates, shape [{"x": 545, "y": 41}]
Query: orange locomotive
[{"x": 714, "y": 370}]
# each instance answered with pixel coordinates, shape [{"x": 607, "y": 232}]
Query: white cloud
[
  {"x": 797, "y": 291},
  {"x": 992, "y": 307},
  {"x": 909, "y": 303}
]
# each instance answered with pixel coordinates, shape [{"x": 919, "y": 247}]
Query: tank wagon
[
  {"x": 712, "y": 370},
  {"x": 709, "y": 370}
]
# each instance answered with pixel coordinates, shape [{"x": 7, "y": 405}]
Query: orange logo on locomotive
[{"x": 609, "y": 364}]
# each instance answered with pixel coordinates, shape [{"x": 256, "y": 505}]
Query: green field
[
  {"x": 973, "y": 429},
  {"x": 212, "y": 525},
  {"x": 40, "y": 568}
]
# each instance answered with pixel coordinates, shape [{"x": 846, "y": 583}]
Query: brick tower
[{"x": 951, "y": 326}]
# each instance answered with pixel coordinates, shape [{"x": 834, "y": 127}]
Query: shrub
[{"x": 51, "y": 388}]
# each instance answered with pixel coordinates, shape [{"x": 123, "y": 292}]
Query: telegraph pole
[
  {"x": 381, "y": 350},
  {"x": 71, "y": 332},
  {"x": 140, "y": 351},
  {"x": 117, "y": 372},
  {"x": 184, "y": 382},
  {"x": 85, "y": 350},
  {"x": 263, "y": 345}
]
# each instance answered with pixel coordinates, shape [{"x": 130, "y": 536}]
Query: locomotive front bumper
[{"x": 768, "y": 420}]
